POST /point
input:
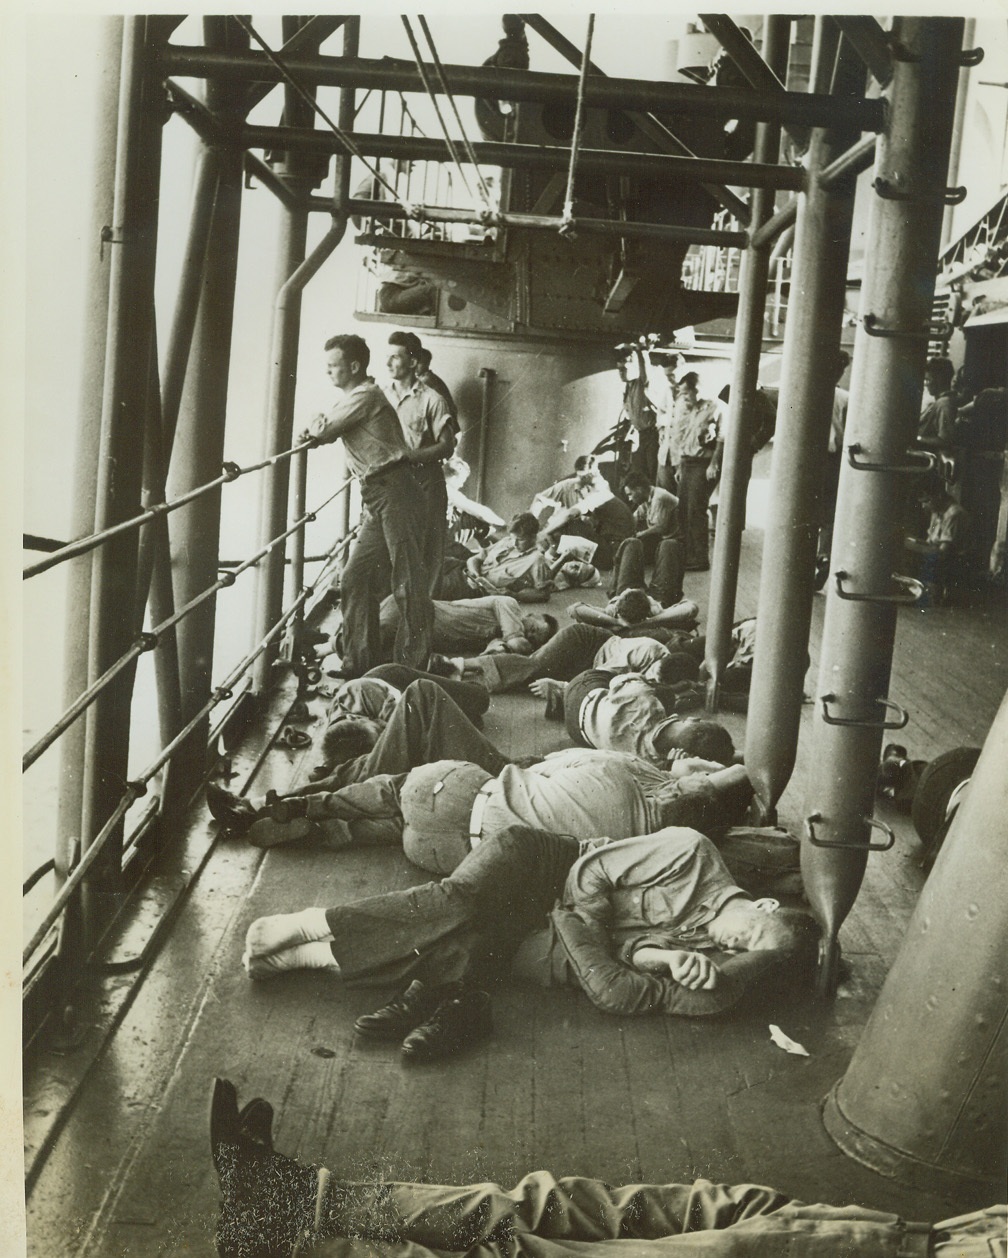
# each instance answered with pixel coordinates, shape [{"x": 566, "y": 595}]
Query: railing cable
[
  {"x": 82, "y": 545},
  {"x": 148, "y": 641},
  {"x": 137, "y": 788}
]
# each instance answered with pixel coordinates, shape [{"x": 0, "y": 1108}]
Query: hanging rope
[
  {"x": 567, "y": 225},
  {"x": 347, "y": 144},
  {"x": 422, "y": 69},
  {"x": 470, "y": 151}
]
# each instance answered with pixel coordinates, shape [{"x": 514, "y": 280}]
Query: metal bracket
[
  {"x": 971, "y": 57},
  {"x": 889, "y": 191},
  {"x": 851, "y": 847},
  {"x": 148, "y": 641},
  {"x": 904, "y": 715},
  {"x": 231, "y": 471},
  {"x": 226, "y": 579},
  {"x": 937, "y": 332},
  {"x": 900, "y": 51},
  {"x": 911, "y": 591},
  {"x": 919, "y": 461}
]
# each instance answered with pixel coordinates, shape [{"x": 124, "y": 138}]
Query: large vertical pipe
[
  {"x": 130, "y": 328},
  {"x": 286, "y": 324},
  {"x": 95, "y": 323},
  {"x": 179, "y": 345},
  {"x": 279, "y": 428},
  {"x": 784, "y": 613},
  {"x": 199, "y": 442},
  {"x": 156, "y": 580},
  {"x": 912, "y": 159},
  {"x": 291, "y": 280},
  {"x": 924, "y": 1097},
  {"x": 736, "y": 464}
]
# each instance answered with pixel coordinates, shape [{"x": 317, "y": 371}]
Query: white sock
[
  {"x": 306, "y": 956},
  {"x": 285, "y": 930}
]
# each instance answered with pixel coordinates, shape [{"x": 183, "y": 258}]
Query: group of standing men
[{"x": 396, "y": 440}]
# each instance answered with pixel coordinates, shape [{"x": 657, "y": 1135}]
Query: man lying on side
[{"x": 650, "y": 924}]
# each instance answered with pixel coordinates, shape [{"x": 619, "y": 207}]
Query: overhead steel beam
[
  {"x": 801, "y": 108},
  {"x": 309, "y": 37},
  {"x": 743, "y": 52},
  {"x": 658, "y": 166},
  {"x": 648, "y": 125},
  {"x": 593, "y": 226},
  {"x": 871, "y": 43}
]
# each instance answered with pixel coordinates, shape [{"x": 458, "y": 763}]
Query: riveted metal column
[
  {"x": 736, "y": 465},
  {"x": 199, "y": 442},
  {"x": 924, "y": 1097},
  {"x": 784, "y": 614},
  {"x": 99, "y": 254},
  {"x": 901, "y": 261},
  {"x": 130, "y": 328}
]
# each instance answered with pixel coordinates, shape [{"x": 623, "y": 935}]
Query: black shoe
[
  {"x": 455, "y": 1024},
  {"x": 442, "y": 666},
  {"x": 402, "y": 1013},
  {"x": 268, "y": 1201},
  {"x": 229, "y": 809}
]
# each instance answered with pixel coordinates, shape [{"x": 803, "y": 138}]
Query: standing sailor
[{"x": 386, "y": 555}]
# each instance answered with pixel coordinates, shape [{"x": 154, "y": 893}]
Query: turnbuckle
[
  {"x": 918, "y": 462},
  {"x": 889, "y": 191},
  {"x": 910, "y": 592},
  {"x": 855, "y": 847},
  {"x": 903, "y": 718}
]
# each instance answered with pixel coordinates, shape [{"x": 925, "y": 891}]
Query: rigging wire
[
  {"x": 422, "y": 69},
  {"x": 348, "y": 144},
  {"x": 470, "y": 151},
  {"x": 568, "y": 210}
]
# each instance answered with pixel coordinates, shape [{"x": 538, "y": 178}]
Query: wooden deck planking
[{"x": 560, "y": 1085}]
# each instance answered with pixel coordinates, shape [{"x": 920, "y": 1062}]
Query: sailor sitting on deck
[
  {"x": 655, "y": 923},
  {"x": 434, "y": 783},
  {"x": 272, "y": 1204}
]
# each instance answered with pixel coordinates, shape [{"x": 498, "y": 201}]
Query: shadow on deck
[{"x": 560, "y": 1085}]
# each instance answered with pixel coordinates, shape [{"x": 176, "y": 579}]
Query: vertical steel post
[
  {"x": 75, "y": 658},
  {"x": 279, "y": 429},
  {"x": 156, "y": 580},
  {"x": 199, "y": 443},
  {"x": 133, "y": 241},
  {"x": 286, "y": 327},
  {"x": 736, "y": 465},
  {"x": 886, "y": 382},
  {"x": 811, "y": 339},
  {"x": 293, "y": 273},
  {"x": 487, "y": 376}
]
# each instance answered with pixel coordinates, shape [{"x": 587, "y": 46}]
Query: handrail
[
  {"x": 149, "y": 640},
  {"x": 138, "y": 786},
  {"x": 82, "y": 545}
]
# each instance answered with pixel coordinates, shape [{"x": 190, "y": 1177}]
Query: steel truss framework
[{"x": 165, "y": 436}]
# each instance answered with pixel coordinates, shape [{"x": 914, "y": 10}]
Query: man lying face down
[
  {"x": 433, "y": 782},
  {"x": 650, "y": 924}
]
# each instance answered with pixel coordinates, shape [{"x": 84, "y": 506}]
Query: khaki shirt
[{"x": 373, "y": 438}]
